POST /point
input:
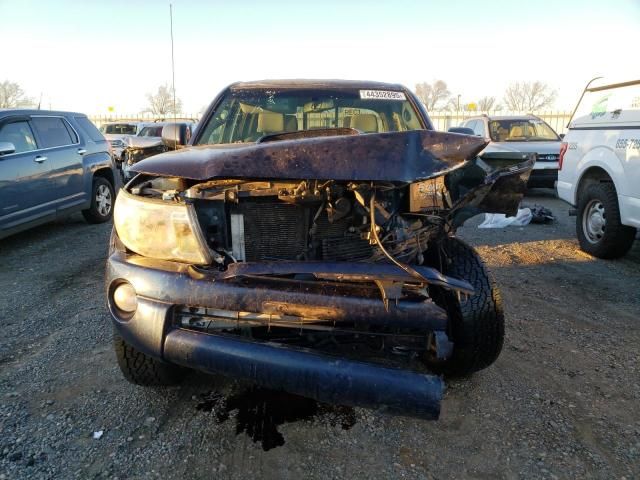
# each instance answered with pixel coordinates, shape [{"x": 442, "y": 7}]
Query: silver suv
[{"x": 525, "y": 134}]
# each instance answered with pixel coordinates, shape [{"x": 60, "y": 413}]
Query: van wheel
[
  {"x": 141, "y": 369},
  {"x": 476, "y": 322},
  {"x": 102, "y": 198},
  {"x": 598, "y": 227}
]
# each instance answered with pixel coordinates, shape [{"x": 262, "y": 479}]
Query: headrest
[
  {"x": 516, "y": 131},
  {"x": 365, "y": 122},
  {"x": 290, "y": 123},
  {"x": 270, "y": 122}
]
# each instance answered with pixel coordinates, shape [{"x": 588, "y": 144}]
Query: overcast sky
[{"x": 89, "y": 55}]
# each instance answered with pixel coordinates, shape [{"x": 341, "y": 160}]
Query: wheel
[
  {"x": 476, "y": 322},
  {"x": 598, "y": 227},
  {"x": 141, "y": 369},
  {"x": 102, "y": 197}
]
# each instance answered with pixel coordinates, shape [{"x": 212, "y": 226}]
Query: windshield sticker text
[{"x": 381, "y": 95}]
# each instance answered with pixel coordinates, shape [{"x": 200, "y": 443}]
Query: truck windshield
[
  {"x": 521, "y": 130},
  {"x": 119, "y": 129},
  {"x": 246, "y": 115}
]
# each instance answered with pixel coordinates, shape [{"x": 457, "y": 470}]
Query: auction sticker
[{"x": 381, "y": 95}]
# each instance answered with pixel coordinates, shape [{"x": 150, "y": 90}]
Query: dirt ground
[{"x": 562, "y": 401}]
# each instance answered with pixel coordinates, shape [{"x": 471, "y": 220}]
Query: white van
[{"x": 599, "y": 168}]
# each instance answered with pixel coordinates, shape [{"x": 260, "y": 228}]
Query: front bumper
[
  {"x": 543, "y": 178},
  {"x": 163, "y": 287}
]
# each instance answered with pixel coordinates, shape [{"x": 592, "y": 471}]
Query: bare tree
[
  {"x": 162, "y": 102},
  {"x": 12, "y": 96},
  {"x": 487, "y": 103},
  {"x": 432, "y": 94},
  {"x": 529, "y": 96}
]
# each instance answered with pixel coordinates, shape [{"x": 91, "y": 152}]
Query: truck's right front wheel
[
  {"x": 476, "y": 322},
  {"x": 598, "y": 226}
]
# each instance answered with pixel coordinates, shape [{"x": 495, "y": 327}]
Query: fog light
[{"x": 124, "y": 298}]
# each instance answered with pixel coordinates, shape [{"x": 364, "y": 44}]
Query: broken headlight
[{"x": 159, "y": 229}]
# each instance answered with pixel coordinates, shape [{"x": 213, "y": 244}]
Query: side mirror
[
  {"x": 7, "y": 148},
  {"x": 175, "y": 135},
  {"x": 561, "y": 136},
  {"x": 461, "y": 130}
]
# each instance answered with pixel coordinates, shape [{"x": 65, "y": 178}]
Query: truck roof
[{"x": 317, "y": 83}]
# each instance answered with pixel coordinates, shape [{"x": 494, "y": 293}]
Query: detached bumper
[{"x": 163, "y": 286}]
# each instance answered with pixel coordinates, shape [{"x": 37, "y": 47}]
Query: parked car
[
  {"x": 526, "y": 134},
  {"x": 148, "y": 143},
  {"x": 117, "y": 132},
  {"x": 52, "y": 164},
  {"x": 304, "y": 241},
  {"x": 600, "y": 168}
]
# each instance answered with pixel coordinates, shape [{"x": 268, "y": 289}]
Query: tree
[
  {"x": 529, "y": 96},
  {"x": 487, "y": 103},
  {"x": 12, "y": 96},
  {"x": 432, "y": 94},
  {"x": 161, "y": 103}
]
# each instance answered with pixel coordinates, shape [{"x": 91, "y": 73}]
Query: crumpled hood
[
  {"x": 394, "y": 156},
  {"x": 142, "y": 142}
]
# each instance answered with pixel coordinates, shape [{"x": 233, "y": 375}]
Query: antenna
[{"x": 173, "y": 79}]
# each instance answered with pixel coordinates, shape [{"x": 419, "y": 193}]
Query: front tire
[
  {"x": 141, "y": 369},
  {"x": 598, "y": 225},
  {"x": 476, "y": 322},
  {"x": 102, "y": 200}
]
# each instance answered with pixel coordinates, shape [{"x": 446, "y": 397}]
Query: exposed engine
[{"x": 312, "y": 220}]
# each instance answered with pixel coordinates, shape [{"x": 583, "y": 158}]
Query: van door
[
  {"x": 64, "y": 150},
  {"x": 25, "y": 176}
]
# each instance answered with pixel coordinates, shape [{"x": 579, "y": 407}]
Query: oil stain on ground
[{"x": 259, "y": 412}]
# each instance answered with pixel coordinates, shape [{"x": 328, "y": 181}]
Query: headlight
[{"x": 158, "y": 229}]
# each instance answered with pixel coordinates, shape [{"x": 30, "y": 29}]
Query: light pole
[{"x": 458, "y": 107}]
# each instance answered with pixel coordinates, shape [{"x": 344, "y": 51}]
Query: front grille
[{"x": 274, "y": 231}]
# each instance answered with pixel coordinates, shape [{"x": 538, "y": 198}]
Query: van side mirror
[
  {"x": 7, "y": 148},
  {"x": 461, "y": 130},
  {"x": 561, "y": 136},
  {"x": 175, "y": 135}
]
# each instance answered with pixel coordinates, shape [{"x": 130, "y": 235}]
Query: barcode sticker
[{"x": 381, "y": 95}]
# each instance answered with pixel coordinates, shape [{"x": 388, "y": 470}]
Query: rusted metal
[
  {"x": 345, "y": 271},
  {"x": 308, "y": 373},
  {"x": 390, "y": 157}
]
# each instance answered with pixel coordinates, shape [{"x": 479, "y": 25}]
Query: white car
[
  {"x": 600, "y": 168},
  {"x": 524, "y": 134},
  {"x": 117, "y": 132}
]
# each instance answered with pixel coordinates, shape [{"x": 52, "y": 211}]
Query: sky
[{"x": 91, "y": 55}]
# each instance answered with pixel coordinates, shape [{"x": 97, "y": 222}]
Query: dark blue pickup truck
[{"x": 52, "y": 164}]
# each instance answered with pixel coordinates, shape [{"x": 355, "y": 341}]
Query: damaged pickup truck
[{"x": 304, "y": 241}]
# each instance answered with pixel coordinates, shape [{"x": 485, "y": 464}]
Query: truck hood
[
  {"x": 525, "y": 147},
  {"x": 394, "y": 156}
]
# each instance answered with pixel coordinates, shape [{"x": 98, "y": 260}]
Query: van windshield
[
  {"x": 521, "y": 130},
  {"x": 249, "y": 114}
]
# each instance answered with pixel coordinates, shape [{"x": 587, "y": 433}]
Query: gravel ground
[{"x": 560, "y": 402}]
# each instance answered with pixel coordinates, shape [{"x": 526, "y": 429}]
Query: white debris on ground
[{"x": 500, "y": 220}]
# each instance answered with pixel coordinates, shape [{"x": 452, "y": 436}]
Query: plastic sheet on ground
[{"x": 500, "y": 220}]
